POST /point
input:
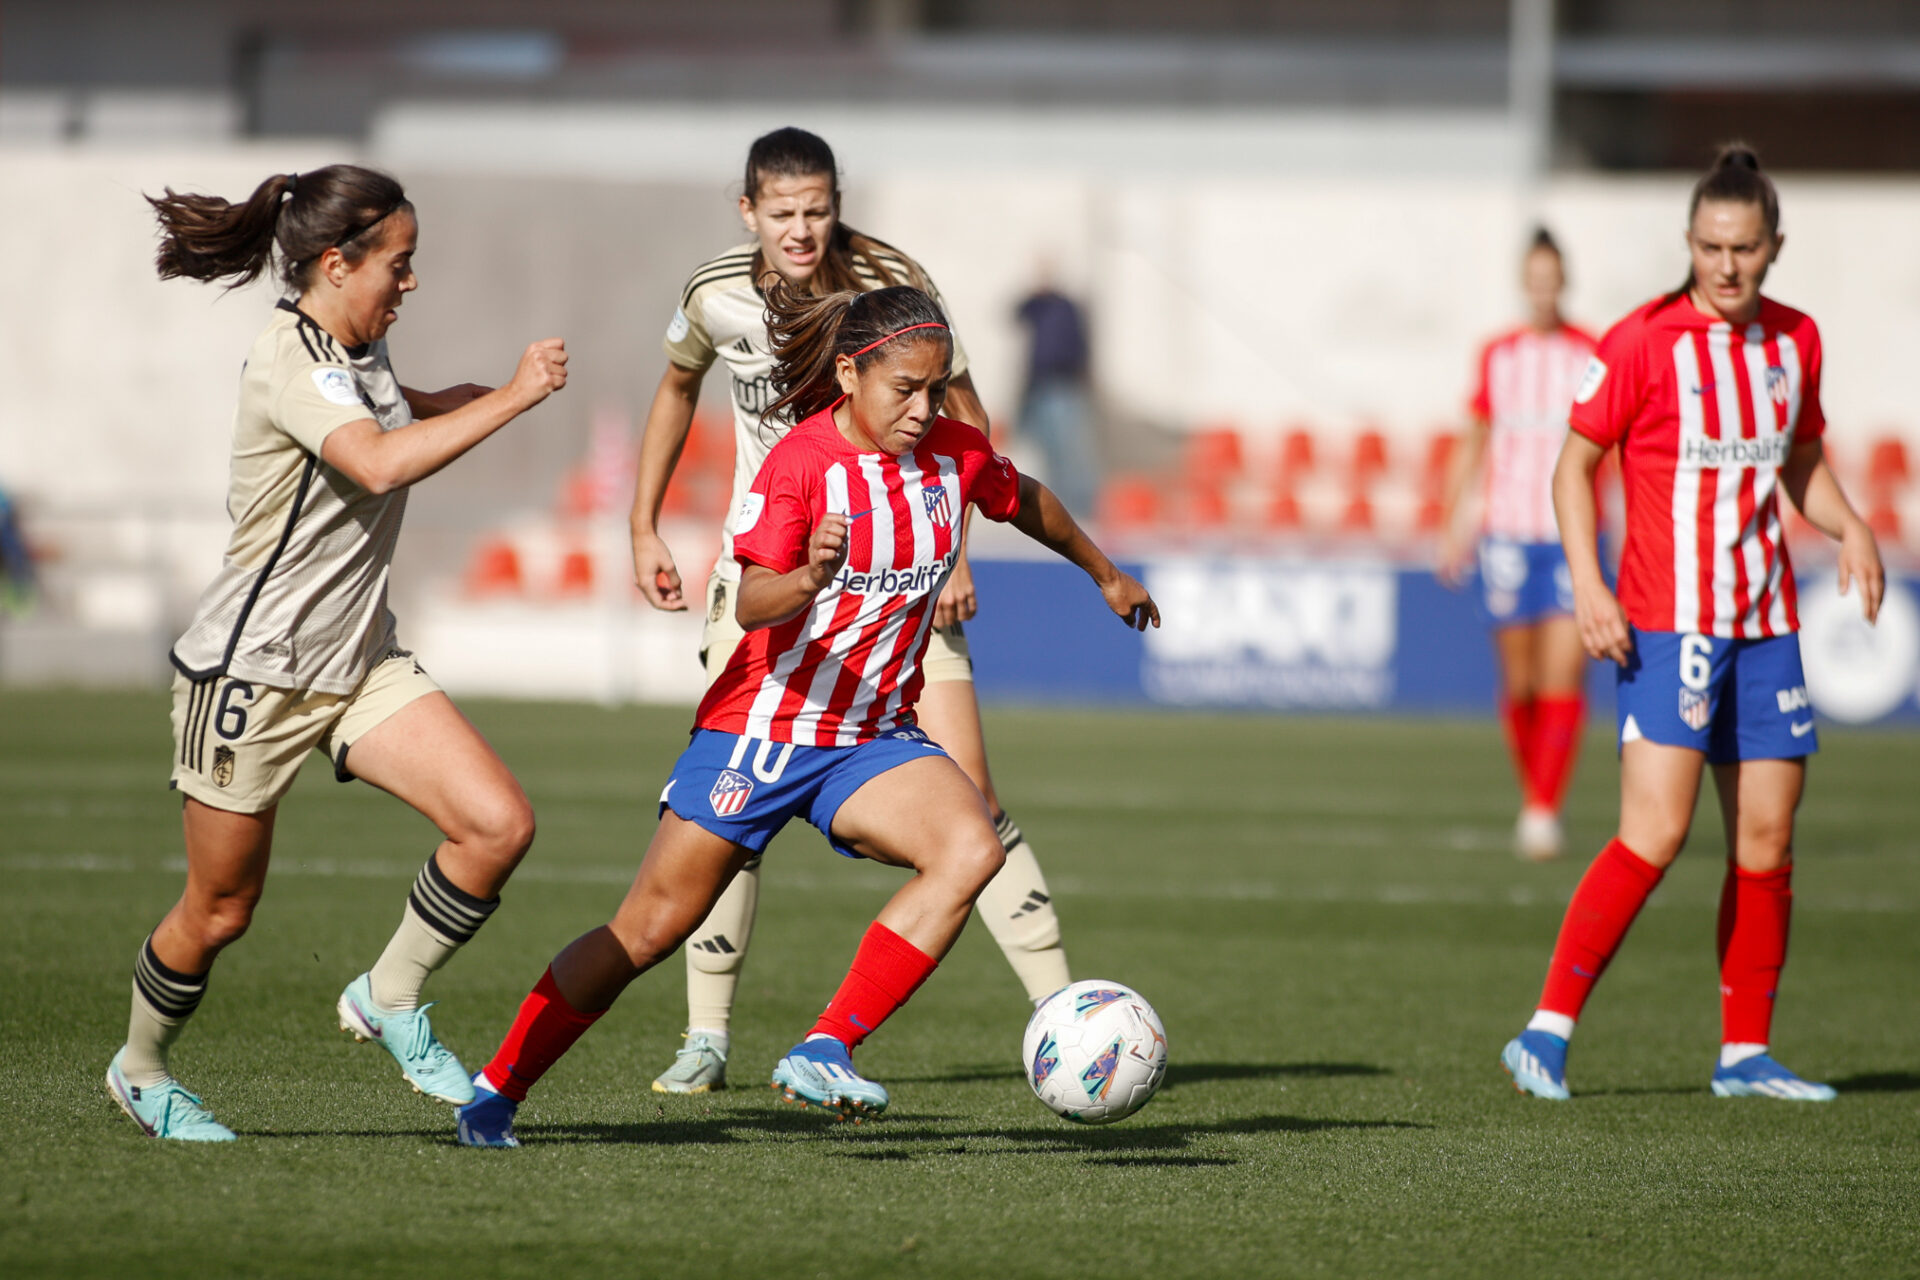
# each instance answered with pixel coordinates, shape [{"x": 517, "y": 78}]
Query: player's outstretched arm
[
  {"x": 1810, "y": 482},
  {"x": 431, "y": 404},
  {"x": 382, "y": 461},
  {"x": 669, "y": 419},
  {"x": 1047, "y": 521},
  {"x": 1596, "y": 610},
  {"x": 768, "y": 598}
]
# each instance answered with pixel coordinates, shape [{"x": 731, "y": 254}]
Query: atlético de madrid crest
[
  {"x": 1695, "y": 710},
  {"x": 730, "y": 793},
  {"x": 939, "y": 507}
]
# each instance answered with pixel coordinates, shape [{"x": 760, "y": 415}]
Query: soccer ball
[{"x": 1095, "y": 1052}]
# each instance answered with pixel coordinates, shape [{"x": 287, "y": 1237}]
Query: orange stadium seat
[
  {"x": 1294, "y": 460},
  {"x": 495, "y": 569},
  {"x": 1129, "y": 502},
  {"x": 1369, "y": 463},
  {"x": 1887, "y": 474},
  {"x": 1214, "y": 453},
  {"x": 576, "y": 573},
  {"x": 1433, "y": 478}
]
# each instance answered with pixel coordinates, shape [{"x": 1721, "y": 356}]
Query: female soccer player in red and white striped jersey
[
  {"x": 1523, "y": 391},
  {"x": 790, "y": 203},
  {"x": 845, "y": 540},
  {"x": 1712, "y": 394}
]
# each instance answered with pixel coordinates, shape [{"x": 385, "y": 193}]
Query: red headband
[{"x": 931, "y": 324}]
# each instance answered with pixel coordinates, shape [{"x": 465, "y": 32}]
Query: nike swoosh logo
[
  {"x": 1801, "y": 728},
  {"x": 1702, "y": 389}
]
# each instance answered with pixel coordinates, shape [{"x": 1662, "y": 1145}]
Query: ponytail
[
  {"x": 301, "y": 215},
  {"x": 810, "y": 332},
  {"x": 1735, "y": 177}
]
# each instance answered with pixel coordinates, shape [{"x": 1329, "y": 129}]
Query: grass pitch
[{"x": 1324, "y": 913}]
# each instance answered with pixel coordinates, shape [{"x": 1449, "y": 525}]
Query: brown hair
[
  {"x": 809, "y": 332},
  {"x": 1736, "y": 178},
  {"x": 1543, "y": 242},
  {"x": 795, "y": 153},
  {"x": 338, "y": 207}
]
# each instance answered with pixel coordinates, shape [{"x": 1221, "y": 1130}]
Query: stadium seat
[
  {"x": 1214, "y": 453},
  {"x": 576, "y": 573},
  {"x": 1369, "y": 463},
  {"x": 1887, "y": 475},
  {"x": 1129, "y": 502},
  {"x": 495, "y": 570},
  {"x": 1291, "y": 464},
  {"x": 1433, "y": 479}
]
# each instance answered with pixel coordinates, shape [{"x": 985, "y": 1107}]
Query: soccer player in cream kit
[
  {"x": 1712, "y": 395},
  {"x": 292, "y": 648},
  {"x": 791, "y": 202}
]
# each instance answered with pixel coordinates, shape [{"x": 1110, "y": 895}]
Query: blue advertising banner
[{"x": 1346, "y": 636}]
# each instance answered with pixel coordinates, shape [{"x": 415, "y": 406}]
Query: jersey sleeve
[
  {"x": 992, "y": 483},
  {"x": 1813, "y": 416},
  {"x": 687, "y": 342},
  {"x": 1614, "y": 386},
  {"x": 1480, "y": 402},
  {"x": 314, "y": 399},
  {"x": 775, "y": 517}
]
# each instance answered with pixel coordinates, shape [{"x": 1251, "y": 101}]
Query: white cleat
[{"x": 1537, "y": 836}]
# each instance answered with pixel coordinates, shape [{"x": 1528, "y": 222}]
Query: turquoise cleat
[
  {"x": 164, "y": 1111},
  {"x": 699, "y": 1066},
  {"x": 406, "y": 1034},
  {"x": 820, "y": 1073},
  {"x": 1761, "y": 1077},
  {"x": 1537, "y": 1061},
  {"x": 487, "y": 1121}
]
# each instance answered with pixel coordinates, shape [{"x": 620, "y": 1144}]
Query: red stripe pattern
[{"x": 1525, "y": 388}]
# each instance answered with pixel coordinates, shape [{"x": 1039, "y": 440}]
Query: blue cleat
[
  {"x": 166, "y": 1110},
  {"x": 1761, "y": 1077},
  {"x": 487, "y": 1121},
  {"x": 820, "y": 1073},
  {"x": 406, "y": 1034},
  {"x": 1537, "y": 1061}
]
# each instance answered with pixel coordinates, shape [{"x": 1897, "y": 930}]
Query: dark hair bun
[
  {"x": 1543, "y": 240},
  {"x": 1737, "y": 155}
]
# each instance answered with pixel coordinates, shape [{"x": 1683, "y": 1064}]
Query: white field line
[{"x": 857, "y": 877}]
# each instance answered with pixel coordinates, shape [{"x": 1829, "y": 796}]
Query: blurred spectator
[
  {"x": 16, "y": 565},
  {"x": 1054, "y": 412}
]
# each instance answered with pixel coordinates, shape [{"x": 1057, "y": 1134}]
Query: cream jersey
[
  {"x": 300, "y": 601},
  {"x": 722, "y": 315}
]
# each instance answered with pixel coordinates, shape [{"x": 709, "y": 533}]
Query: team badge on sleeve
[
  {"x": 939, "y": 506},
  {"x": 336, "y": 386},
  {"x": 1696, "y": 710},
  {"x": 1590, "y": 384},
  {"x": 678, "y": 326},
  {"x": 749, "y": 514},
  {"x": 730, "y": 794}
]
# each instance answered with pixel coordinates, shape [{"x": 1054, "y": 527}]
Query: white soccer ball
[{"x": 1095, "y": 1052}]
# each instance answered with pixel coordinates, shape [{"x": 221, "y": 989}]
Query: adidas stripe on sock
[
  {"x": 439, "y": 919},
  {"x": 163, "y": 1000}
]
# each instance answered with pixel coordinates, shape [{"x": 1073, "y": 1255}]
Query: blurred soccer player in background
[
  {"x": 844, "y": 541},
  {"x": 292, "y": 648},
  {"x": 1055, "y": 408},
  {"x": 1712, "y": 394},
  {"x": 1518, "y": 420},
  {"x": 790, "y": 204}
]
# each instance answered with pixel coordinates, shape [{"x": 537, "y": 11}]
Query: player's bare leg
[
  {"x": 432, "y": 757},
  {"x": 1016, "y": 906},
  {"x": 227, "y": 855},
  {"x": 926, "y": 816},
  {"x": 1543, "y": 670}
]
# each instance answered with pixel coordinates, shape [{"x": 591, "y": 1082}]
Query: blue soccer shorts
[
  {"x": 1732, "y": 699},
  {"x": 746, "y": 789},
  {"x": 1523, "y": 582}
]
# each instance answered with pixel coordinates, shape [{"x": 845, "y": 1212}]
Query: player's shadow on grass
[
  {"x": 1879, "y": 1082},
  {"x": 1178, "y": 1073},
  {"x": 1160, "y": 1145}
]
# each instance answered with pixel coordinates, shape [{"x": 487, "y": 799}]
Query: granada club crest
[
  {"x": 730, "y": 793},
  {"x": 222, "y": 766},
  {"x": 1695, "y": 710},
  {"x": 939, "y": 506}
]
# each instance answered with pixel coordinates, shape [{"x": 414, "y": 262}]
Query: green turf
[{"x": 1324, "y": 913}]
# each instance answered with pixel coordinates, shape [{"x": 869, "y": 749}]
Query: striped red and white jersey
[
  {"x": 1704, "y": 415},
  {"x": 1526, "y": 385},
  {"x": 848, "y": 668}
]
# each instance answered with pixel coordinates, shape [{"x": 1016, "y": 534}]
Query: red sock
[
  {"x": 1609, "y": 897},
  {"x": 1518, "y": 719},
  {"x": 1755, "y": 907},
  {"x": 1555, "y": 745},
  {"x": 545, "y": 1029},
  {"x": 886, "y": 971}
]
